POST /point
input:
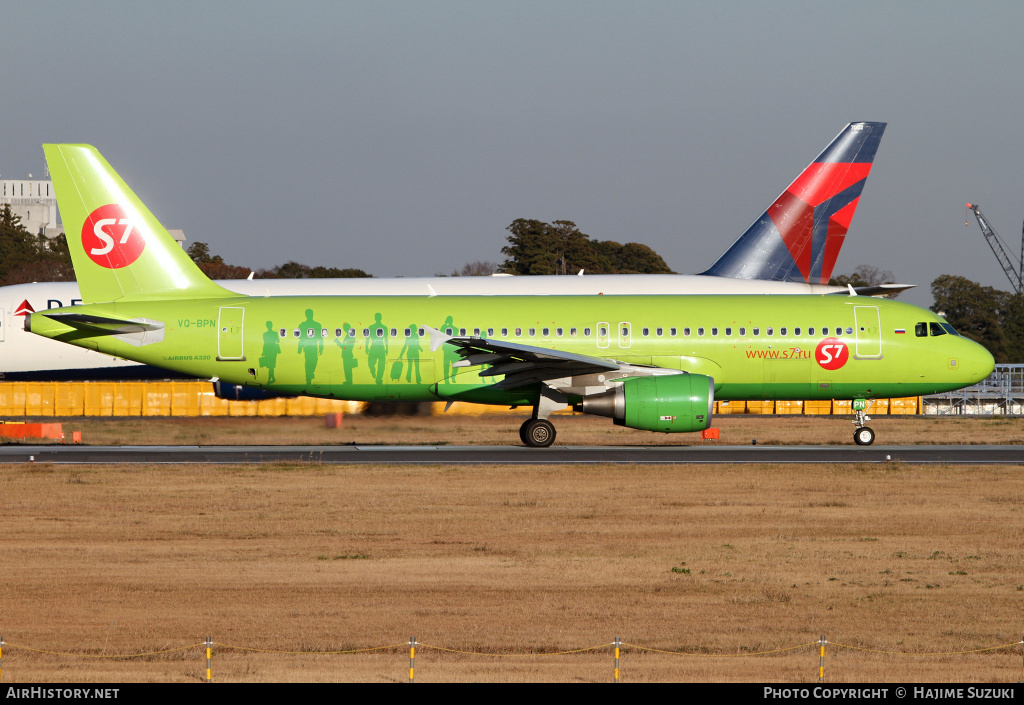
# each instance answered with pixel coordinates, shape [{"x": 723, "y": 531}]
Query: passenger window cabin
[{"x": 922, "y": 329}]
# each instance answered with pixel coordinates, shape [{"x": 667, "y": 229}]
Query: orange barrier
[
  {"x": 52, "y": 431},
  {"x": 18, "y": 430}
]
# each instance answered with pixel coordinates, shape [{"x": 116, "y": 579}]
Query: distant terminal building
[{"x": 34, "y": 201}]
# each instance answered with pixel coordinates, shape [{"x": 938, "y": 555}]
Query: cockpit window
[
  {"x": 921, "y": 329},
  {"x": 936, "y": 328},
  {"x": 949, "y": 329}
]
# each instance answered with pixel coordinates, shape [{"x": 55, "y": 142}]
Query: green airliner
[{"x": 649, "y": 362}]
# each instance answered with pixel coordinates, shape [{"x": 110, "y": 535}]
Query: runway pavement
[{"x": 363, "y": 454}]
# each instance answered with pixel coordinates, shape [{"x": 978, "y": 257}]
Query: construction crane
[{"x": 1014, "y": 275}]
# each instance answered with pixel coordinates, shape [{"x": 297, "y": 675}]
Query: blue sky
[{"x": 403, "y": 137}]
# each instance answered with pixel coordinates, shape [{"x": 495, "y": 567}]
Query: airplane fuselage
[{"x": 377, "y": 348}]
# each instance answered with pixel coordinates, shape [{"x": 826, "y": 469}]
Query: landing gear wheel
[
  {"x": 864, "y": 436},
  {"x": 537, "y": 433}
]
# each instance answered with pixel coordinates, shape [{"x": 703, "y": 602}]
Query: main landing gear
[
  {"x": 538, "y": 432},
  {"x": 862, "y": 435}
]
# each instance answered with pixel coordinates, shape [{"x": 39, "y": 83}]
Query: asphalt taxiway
[{"x": 516, "y": 455}]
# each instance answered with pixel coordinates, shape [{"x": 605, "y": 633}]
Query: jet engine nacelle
[{"x": 667, "y": 403}]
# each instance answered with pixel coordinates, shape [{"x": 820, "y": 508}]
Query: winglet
[{"x": 437, "y": 338}]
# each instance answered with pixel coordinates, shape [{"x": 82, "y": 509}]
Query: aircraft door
[
  {"x": 229, "y": 333},
  {"x": 3, "y": 324},
  {"x": 868, "y": 332},
  {"x": 625, "y": 334}
]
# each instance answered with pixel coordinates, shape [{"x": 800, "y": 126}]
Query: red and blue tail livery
[{"x": 799, "y": 237}]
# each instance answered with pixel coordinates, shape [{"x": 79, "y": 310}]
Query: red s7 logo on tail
[{"x": 110, "y": 237}]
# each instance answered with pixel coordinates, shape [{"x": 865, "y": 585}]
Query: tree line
[
  {"x": 25, "y": 257},
  {"x": 984, "y": 314},
  {"x": 215, "y": 267},
  {"x": 559, "y": 247}
]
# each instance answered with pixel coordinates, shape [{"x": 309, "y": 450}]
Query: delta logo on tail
[{"x": 799, "y": 236}]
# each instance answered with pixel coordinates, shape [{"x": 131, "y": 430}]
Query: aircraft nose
[{"x": 978, "y": 362}]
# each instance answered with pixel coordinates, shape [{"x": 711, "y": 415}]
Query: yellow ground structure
[{"x": 196, "y": 398}]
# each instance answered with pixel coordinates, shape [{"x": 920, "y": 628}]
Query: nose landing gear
[{"x": 862, "y": 435}]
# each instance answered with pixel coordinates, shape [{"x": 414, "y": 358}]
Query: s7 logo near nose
[
  {"x": 110, "y": 238},
  {"x": 832, "y": 353}
]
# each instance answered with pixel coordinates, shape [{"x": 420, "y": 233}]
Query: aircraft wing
[
  {"x": 883, "y": 289},
  {"x": 521, "y": 364},
  {"x": 877, "y": 290}
]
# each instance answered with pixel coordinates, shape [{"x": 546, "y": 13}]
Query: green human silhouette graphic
[
  {"x": 347, "y": 343},
  {"x": 377, "y": 349},
  {"x": 411, "y": 352},
  {"x": 449, "y": 351},
  {"x": 271, "y": 348},
  {"x": 311, "y": 343}
]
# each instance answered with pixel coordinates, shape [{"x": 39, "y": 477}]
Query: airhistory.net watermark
[{"x": 61, "y": 693}]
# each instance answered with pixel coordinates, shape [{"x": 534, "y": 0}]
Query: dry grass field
[
  {"x": 720, "y": 563},
  {"x": 504, "y": 430}
]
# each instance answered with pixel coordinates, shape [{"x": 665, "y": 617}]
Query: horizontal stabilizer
[{"x": 104, "y": 324}]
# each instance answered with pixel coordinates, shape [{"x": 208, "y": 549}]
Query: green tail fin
[{"x": 119, "y": 249}]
